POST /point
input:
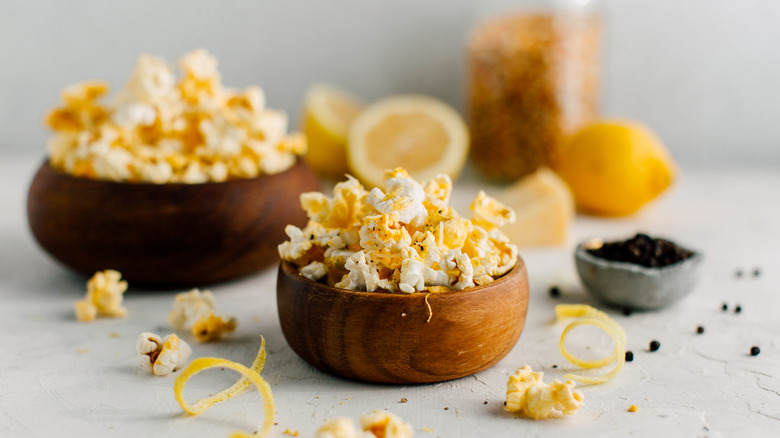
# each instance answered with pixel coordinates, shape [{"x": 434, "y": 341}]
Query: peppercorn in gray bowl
[{"x": 642, "y": 272}]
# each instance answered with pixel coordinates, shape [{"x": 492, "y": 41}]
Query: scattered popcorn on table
[
  {"x": 194, "y": 311},
  {"x": 161, "y": 130},
  {"x": 400, "y": 238},
  {"x": 527, "y": 395},
  {"x": 377, "y": 424},
  {"x": 212, "y": 328},
  {"x": 162, "y": 356},
  {"x": 104, "y": 297}
]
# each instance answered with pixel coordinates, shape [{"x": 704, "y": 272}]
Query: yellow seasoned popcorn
[
  {"x": 162, "y": 356},
  {"x": 402, "y": 237},
  {"x": 161, "y": 129},
  {"x": 376, "y": 424},
  {"x": 194, "y": 311},
  {"x": 212, "y": 328},
  {"x": 104, "y": 297},
  {"x": 192, "y": 306},
  {"x": 528, "y": 395}
]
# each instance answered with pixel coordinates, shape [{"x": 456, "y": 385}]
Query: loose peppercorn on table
[{"x": 715, "y": 371}]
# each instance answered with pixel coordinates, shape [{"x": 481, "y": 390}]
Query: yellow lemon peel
[
  {"x": 430, "y": 310},
  {"x": 249, "y": 376},
  {"x": 590, "y": 316}
]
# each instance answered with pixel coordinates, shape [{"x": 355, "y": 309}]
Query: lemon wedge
[
  {"x": 328, "y": 113},
  {"x": 421, "y": 134}
]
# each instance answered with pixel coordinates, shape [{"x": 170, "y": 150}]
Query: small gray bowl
[{"x": 635, "y": 286}]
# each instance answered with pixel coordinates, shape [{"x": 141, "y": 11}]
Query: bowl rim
[
  {"x": 288, "y": 268},
  {"x": 582, "y": 253},
  {"x": 47, "y": 163}
]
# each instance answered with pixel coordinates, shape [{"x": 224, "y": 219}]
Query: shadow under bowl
[
  {"x": 393, "y": 337},
  {"x": 166, "y": 234},
  {"x": 634, "y": 286}
]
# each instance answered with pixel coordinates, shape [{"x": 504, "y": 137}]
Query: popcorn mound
[
  {"x": 159, "y": 130},
  {"x": 399, "y": 238}
]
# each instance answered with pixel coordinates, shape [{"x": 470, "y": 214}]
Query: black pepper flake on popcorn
[
  {"x": 700, "y": 329},
  {"x": 555, "y": 292},
  {"x": 629, "y": 356},
  {"x": 754, "y": 351},
  {"x": 724, "y": 307},
  {"x": 738, "y": 309}
]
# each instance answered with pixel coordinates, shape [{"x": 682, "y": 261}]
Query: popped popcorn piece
[
  {"x": 192, "y": 306},
  {"x": 104, "y": 297},
  {"x": 489, "y": 213},
  {"x": 314, "y": 271},
  {"x": 161, "y": 130},
  {"x": 376, "y": 424},
  {"x": 527, "y": 395},
  {"x": 212, "y": 328},
  {"x": 162, "y": 356},
  {"x": 402, "y": 237}
]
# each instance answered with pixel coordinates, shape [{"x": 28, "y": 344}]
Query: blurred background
[{"x": 702, "y": 73}]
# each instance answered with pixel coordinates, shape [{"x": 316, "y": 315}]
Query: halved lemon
[
  {"x": 422, "y": 134},
  {"x": 328, "y": 113}
]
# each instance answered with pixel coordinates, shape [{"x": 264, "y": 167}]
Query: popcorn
[
  {"x": 527, "y": 395},
  {"x": 385, "y": 424},
  {"x": 377, "y": 424},
  {"x": 402, "y": 237},
  {"x": 194, "y": 310},
  {"x": 161, "y": 131},
  {"x": 212, "y": 328},
  {"x": 162, "y": 356},
  {"x": 104, "y": 297},
  {"x": 191, "y": 306}
]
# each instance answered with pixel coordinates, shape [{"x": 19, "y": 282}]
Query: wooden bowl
[
  {"x": 166, "y": 234},
  {"x": 387, "y": 338}
]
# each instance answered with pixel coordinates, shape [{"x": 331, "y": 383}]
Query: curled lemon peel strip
[
  {"x": 430, "y": 310},
  {"x": 591, "y": 316},
  {"x": 249, "y": 376}
]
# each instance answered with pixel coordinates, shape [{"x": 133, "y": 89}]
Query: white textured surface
[{"x": 695, "y": 385}]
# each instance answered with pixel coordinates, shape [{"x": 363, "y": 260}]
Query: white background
[{"x": 703, "y": 73}]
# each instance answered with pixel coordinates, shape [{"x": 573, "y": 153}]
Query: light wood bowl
[
  {"x": 383, "y": 337},
  {"x": 166, "y": 234}
]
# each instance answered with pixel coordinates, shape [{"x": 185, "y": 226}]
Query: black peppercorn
[
  {"x": 724, "y": 307},
  {"x": 754, "y": 351},
  {"x": 654, "y": 345},
  {"x": 629, "y": 356},
  {"x": 700, "y": 329},
  {"x": 555, "y": 292},
  {"x": 756, "y": 272},
  {"x": 738, "y": 309}
]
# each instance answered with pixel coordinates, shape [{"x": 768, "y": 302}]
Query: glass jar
[{"x": 533, "y": 80}]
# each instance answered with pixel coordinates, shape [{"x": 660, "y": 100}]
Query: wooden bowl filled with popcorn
[
  {"x": 176, "y": 182},
  {"x": 394, "y": 286}
]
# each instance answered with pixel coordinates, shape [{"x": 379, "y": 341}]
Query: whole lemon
[{"x": 615, "y": 167}]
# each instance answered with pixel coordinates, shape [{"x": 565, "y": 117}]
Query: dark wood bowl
[
  {"x": 166, "y": 234},
  {"x": 383, "y": 337}
]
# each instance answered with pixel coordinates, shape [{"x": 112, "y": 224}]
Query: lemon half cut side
[
  {"x": 328, "y": 113},
  {"x": 419, "y": 133}
]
